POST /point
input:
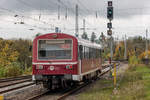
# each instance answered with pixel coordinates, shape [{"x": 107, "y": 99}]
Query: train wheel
[
  {"x": 48, "y": 84},
  {"x": 63, "y": 84}
]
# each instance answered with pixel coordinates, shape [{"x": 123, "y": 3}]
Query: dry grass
[{"x": 135, "y": 85}]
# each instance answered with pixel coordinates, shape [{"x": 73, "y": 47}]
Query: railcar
[{"x": 62, "y": 60}]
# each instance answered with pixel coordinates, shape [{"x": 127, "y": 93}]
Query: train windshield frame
[{"x": 55, "y": 49}]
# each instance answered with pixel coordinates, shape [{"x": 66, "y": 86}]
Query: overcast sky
[{"x": 131, "y": 17}]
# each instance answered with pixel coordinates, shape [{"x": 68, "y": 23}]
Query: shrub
[
  {"x": 28, "y": 71},
  {"x": 13, "y": 70},
  {"x": 2, "y": 72},
  {"x": 133, "y": 60}
]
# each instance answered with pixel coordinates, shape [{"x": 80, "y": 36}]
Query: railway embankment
[{"x": 133, "y": 83}]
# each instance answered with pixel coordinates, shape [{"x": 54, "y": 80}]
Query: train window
[
  {"x": 42, "y": 53},
  {"x": 54, "y": 49},
  {"x": 81, "y": 50},
  {"x": 97, "y": 53},
  {"x": 90, "y": 53},
  {"x": 100, "y": 52},
  {"x": 86, "y": 53},
  {"x": 93, "y": 53}
]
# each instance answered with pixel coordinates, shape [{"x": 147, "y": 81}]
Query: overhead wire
[
  {"x": 81, "y": 13},
  {"x": 15, "y": 12}
]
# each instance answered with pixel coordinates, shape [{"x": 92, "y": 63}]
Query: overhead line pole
[
  {"x": 111, "y": 48},
  {"x": 83, "y": 26},
  {"x": 76, "y": 22},
  {"x": 146, "y": 50},
  {"x": 125, "y": 50}
]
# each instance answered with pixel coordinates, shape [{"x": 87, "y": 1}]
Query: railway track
[
  {"x": 13, "y": 81},
  {"x": 15, "y": 78},
  {"x": 16, "y": 88},
  {"x": 11, "y": 84},
  {"x": 73, "y": 90}
]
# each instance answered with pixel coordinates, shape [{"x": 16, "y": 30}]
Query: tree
[
  {"x": 8, "y": 54},
  {"x": 93, "y": 37},
  {"x": 22, "y": 46},
  {"x": 85, "y": 36},
  {"x": 119, "y": 51}
]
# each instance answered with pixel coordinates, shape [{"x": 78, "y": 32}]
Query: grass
[{"x": 135, "y": 85}]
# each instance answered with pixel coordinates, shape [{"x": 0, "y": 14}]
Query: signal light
[
  {"x": 39, "y": 67},
  {"x": 110, "y": 13},
  {"x": 69, "y": 67},
  {"x": 109, "y": 32},
  {"x": 109, "y": 3},
  {"x": 109, "y": 25}
]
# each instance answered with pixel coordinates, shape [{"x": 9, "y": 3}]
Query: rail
[{"x": 15, "y": 78}]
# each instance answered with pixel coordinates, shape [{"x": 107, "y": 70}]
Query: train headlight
[
  {"x": 69, "y": 67},
  {"x": 51, "y": 68},
  {"x": 39, "y": 67}
]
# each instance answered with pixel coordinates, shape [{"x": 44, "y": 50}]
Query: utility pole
[
  {"x": 125, "y": 48},
  {"x": 83, "y": 26},
  {"x": 76, "y": 22},
  {"x": 111, "y": 47},
  {"x": 58, "y": 12},
  {"x": 146, "y": 50},
  {"x": 66, "y": 15}
]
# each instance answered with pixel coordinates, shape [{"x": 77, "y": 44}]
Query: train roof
[
  {"x": 80, "y": 41},
  {"x": 88, "y": 43}
]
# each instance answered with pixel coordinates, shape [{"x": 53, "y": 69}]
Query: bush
[
  {"x": 28, "y": 71},
  {"x": 2, "y": 72},
  {"x": 133, "y": 60},
  {"x": 13, "y": 70}
]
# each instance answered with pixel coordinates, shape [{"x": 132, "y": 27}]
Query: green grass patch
[{"x": 135, "y": 85}]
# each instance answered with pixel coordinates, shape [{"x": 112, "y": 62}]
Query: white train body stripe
[
  {"x": 80, "y": 76},
  {"x": 55, "y": 63},
  {"x": 90, "y": 71}
]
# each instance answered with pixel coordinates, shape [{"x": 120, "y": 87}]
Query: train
[{"x": 63, "y": 60}]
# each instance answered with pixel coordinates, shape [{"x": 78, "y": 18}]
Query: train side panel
[{"x": 89, "y": 65}]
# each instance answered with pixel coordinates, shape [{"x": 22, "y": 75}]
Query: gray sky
[{"x": 131, "y": 17}]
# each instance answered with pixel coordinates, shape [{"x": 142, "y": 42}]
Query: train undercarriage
[{"x": 53, "y": 82}]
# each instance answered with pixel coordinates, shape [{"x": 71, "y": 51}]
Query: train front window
[{"x": 54, "y": 49}]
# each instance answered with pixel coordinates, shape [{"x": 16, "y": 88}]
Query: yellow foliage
[
  {"x": 119, "y": 53},
  {"x": 7, "y": 53},
  {"x": 143, "y": 55}
]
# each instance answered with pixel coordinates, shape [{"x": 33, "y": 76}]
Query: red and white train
[{"x": 61, "y": 60}]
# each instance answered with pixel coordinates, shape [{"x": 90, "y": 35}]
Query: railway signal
[
  {"x": 110, "y": 10},
  {"x": 110, "y": 17},
  {"x": 109, "y": 3},
  {"x": 109, "y": 25},
  {"x": 110, "y": 13},
  {"x": 109, "y": 32}
]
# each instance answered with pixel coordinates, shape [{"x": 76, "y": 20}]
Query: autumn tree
[
  {"x": 24, "y": 58},
  {"x": 8, "y": 54}
]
